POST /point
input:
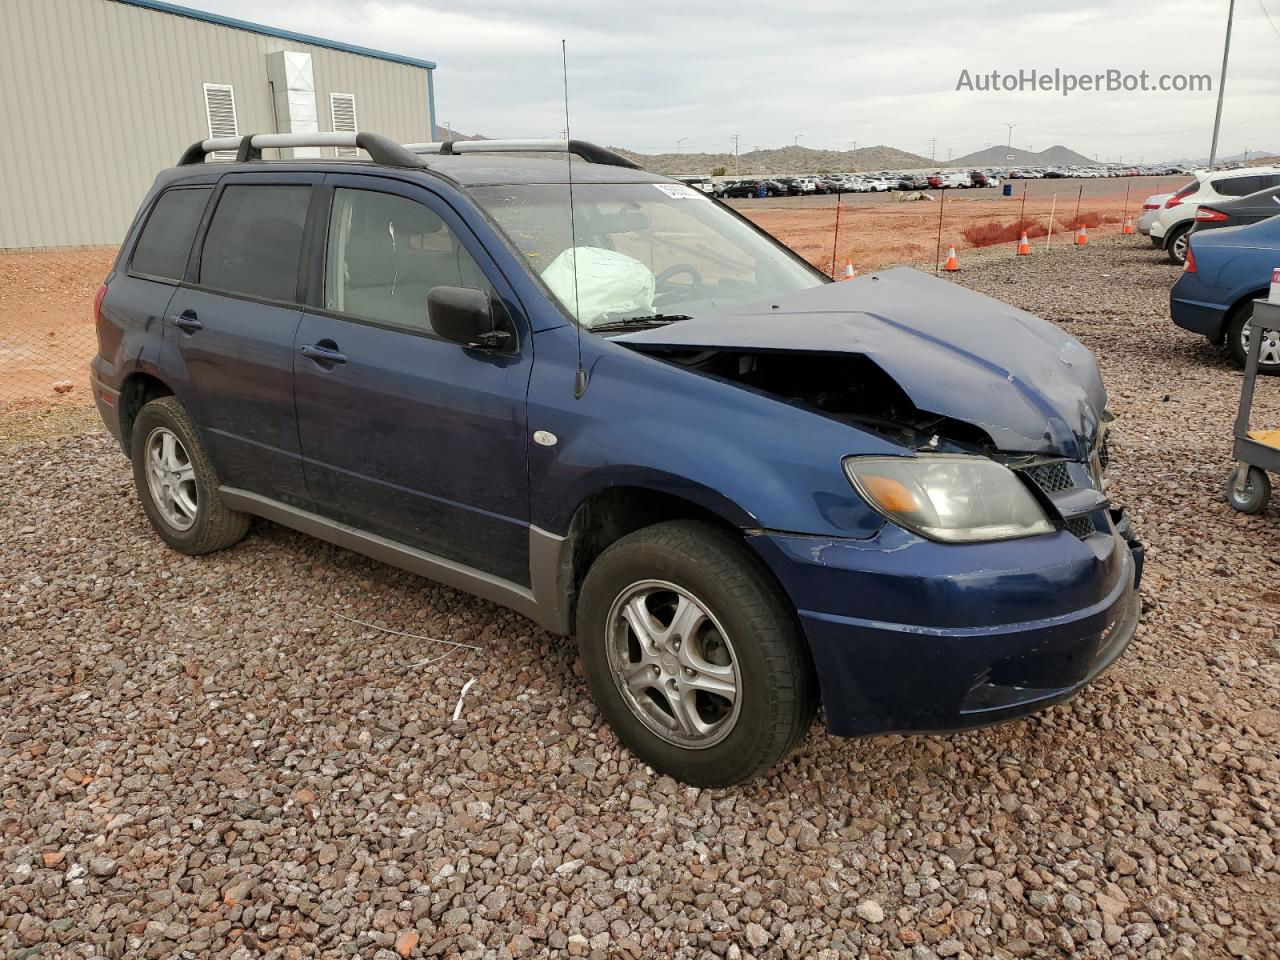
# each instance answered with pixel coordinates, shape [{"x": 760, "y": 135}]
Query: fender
[{"x": 643, "y": 422}]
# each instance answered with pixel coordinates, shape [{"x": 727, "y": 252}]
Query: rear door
[
  {"x": 138, "y": 296},
  {"x": 404, "y": 434},
  {"x": 229, "y": 331}
]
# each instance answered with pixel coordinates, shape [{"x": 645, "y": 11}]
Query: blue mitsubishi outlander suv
[{"x": 542, "y": 375}]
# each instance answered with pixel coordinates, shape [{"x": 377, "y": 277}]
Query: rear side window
[
  {"x": 165, "y": 243},
  {"x": 1238, "y": 186},
  {"x": 254, "y": 242}
]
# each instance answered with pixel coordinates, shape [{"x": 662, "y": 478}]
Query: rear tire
[
  {"x": 1176, "y": 246},
  {"x": 176, "y": 483},
  {"x": 1238, "y": 341},
  {"x": 712, "y": 618}
]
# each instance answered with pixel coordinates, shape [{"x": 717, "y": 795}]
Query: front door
[
  {"x": 229, "y": 333},
  {"x": 404, "y": 434}
]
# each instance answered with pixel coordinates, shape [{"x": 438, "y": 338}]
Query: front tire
[
  {"x": 176, "y": 483},
  {"x": 694, "y": 655}
]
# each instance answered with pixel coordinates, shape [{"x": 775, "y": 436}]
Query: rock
[
  {"x": 870, "y": 911},
  {"x": 103, "y": 867},
  {"x": 406, "y": 941},
  {"x": 757, "y": 935}
]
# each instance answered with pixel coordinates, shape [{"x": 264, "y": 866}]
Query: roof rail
[
  {"x": 380, "y": 149},
  {"x": 590, "y": 152}
]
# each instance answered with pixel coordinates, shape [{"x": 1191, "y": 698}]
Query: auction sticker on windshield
[{"x": 678, "y": 191}]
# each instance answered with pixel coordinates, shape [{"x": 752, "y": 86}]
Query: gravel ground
[{"x": 204, "y": 757}]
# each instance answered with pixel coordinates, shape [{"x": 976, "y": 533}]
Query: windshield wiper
[{"x": 626, "y": 323}]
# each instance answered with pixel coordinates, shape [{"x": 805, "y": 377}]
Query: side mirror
[{"x": 466, "y": 317}]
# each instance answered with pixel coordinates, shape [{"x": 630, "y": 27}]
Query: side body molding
[{"x": 545, "y": 602}]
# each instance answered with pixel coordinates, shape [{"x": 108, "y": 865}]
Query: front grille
[
  {"x": 1051, "y": 477},
  {"x": 1054, "y": 477},
  {"x": 1104, "y": 457},
  {"x": 1080, "y": 527}
]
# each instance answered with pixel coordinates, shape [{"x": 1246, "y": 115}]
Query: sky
[{"x": 824, "y": 74}]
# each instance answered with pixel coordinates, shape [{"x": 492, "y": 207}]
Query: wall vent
[
  {"x": 220, "y": 109},
  {"x": 342, "y": 108}
]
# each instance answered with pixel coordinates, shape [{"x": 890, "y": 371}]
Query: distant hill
[
  {"x": 782, "y": 161},
  {"x": 443, "y": 134},
  {"x": 1055, "y": 156}
]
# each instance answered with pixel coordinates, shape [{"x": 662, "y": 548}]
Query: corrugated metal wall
[{"x": 96, "y": 97}]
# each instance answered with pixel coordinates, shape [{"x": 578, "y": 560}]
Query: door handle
[
  {"x": 323, "y": 352},
  {"x": 187, "y": 322}
]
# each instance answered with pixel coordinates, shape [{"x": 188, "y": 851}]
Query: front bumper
[{"x": 995, "y": 631}]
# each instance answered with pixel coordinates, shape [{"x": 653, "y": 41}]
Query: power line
[{"x": 1274, "y": 28}]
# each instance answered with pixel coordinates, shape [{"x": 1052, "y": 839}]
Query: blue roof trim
[{"x": 163, "y": 7}]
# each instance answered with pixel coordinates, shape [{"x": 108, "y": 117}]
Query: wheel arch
[
  {"x": 136, "y": 391},
  {"x": 610, "y": 513}
]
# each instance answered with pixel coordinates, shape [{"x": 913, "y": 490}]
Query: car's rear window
[
  {"x": 254, "y": 241},
  {"x": 165, "y": 243}
]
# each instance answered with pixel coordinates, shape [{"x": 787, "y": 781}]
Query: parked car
[
  {"x": 979, "y": 179},
  {"x": 1225, "y": 271},
  {"x": 751, "y": 188},
  {"x": 1177, "y": 216},
  {"x": 698, "y": 183},
  {"x": 744, "y": 488},
  {"x": 1238, "y": 212},
  {"x": 1150, "y": 208}
]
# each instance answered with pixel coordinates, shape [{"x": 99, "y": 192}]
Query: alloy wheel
[
  {"x": 673, "y": 664},
  {"x": 171, "y": 478}
]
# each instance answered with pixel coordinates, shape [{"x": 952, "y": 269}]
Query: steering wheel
[{"x": 675, "y": 270}]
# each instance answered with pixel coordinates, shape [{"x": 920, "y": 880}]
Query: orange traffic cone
[
  {"x": 1082, "y": 236},
  {"x": 951, "y": 263},
  {"x": 849, "y": 272},
  {"x": 1128, "y": 226},
  {"x": 1024, "y": 248}
]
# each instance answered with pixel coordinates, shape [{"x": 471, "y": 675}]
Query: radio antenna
[{"x": 580, "y": 378}]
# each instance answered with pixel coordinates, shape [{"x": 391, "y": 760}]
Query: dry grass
[{"x": 21, "y": 425}]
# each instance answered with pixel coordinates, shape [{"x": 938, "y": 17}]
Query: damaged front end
[{"x": 1004, "y": 580}]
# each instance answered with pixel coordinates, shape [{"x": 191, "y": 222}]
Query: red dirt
[
  {"x": 46, "y": 325},
  {"x": 879, "y": 234}
]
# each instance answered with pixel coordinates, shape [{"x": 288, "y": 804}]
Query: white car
[
  {"x": 1177, "y": 216},
  {"x": 1150, "y": 208},
  {"x": 698, "y": 183}
]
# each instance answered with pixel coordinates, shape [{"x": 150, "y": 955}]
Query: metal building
[{"x": 99, "y": 95}]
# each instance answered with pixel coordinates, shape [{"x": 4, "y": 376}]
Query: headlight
[{"x": 952, "y": 498}]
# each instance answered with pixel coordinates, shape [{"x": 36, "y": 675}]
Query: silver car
[{"x": 1150, "y": 208}]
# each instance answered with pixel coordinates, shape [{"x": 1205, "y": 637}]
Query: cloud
[{"x": 643, "y": 75}]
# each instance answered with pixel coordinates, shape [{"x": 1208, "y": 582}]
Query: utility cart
[{"x": 1256, "y": 451}]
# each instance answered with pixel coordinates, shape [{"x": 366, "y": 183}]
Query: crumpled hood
[{"x": 1032, "y": 387}]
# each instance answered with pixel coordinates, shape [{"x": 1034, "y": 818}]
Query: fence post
[
  {"x": 937, "y": 254},
  {"x": 835, "y": 240},
  {"x": 1052, "y": 209}
]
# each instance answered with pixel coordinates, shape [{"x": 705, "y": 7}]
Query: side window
[
  {"x": 1238, "y": 186},
  {"x": 165, "y": 243},
  {"x": 385, "y": 254},
  {"x": 254, "y": 241}
]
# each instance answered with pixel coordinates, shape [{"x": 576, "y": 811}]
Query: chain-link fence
[
  {"x": 838, "y": 233},
  {"x": 47, "y": 335}
]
